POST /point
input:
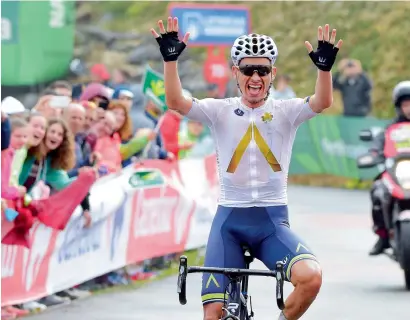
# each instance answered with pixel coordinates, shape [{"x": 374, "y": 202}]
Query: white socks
[{"x": 282, "y": 316}]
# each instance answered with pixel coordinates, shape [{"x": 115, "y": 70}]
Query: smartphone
[{"x": 59, "y": 102}]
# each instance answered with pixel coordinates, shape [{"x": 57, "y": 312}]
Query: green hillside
[{"x": 376, "y": 33}]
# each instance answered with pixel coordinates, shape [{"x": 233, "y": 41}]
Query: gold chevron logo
[{"x": 262, "y": 145}]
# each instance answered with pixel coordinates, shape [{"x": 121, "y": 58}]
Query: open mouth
[
  {"x": 36, "y": 137},
  {"x": 254, "y": 90},
  {"x": 52, "y": 143}
]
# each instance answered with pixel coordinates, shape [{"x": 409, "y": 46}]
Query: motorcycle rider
[{"x": 401, "y": 100}]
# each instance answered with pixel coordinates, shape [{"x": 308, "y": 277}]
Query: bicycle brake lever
[{"x": 280, "y": 280}]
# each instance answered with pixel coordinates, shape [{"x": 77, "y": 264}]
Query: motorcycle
[{"x": 394, "y": 169}]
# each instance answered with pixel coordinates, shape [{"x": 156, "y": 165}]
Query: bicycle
[{"x": 236, "y": 305}]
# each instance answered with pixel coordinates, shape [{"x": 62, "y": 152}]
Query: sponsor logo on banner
[
  {"x": 146, "y": 178},
  {"x": 24, "y": 272},
  {"x": 141, "y": 213}
]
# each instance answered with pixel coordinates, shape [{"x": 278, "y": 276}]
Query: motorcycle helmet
[{"x": 401, "y": 92}]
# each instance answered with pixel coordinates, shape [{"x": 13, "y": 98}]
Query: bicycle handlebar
[
  {"x": 278, "y": 273},
  {"x": 233, "y": 272}
]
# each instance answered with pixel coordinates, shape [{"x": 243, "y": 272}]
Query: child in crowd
[{"x": 18, "y": 140}]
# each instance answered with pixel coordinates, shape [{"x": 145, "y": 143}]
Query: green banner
[
  {"x": 153, "y": 87},
  {"x": 330, "y": 145},
  {"x": 9, "y": 22},
  {"x": 37, "y": 40}
]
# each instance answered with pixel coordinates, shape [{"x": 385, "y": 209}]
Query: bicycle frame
[{"x": 235, "y": 307}]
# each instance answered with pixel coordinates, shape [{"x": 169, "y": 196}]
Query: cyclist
[
  {"x": 253, "y": 136},
  {"x": 401, "y": 101}
]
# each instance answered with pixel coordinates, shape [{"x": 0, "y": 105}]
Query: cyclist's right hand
[{"x": 168, "y": 41}]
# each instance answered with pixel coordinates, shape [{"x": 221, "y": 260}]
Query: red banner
[{"x": 146, "y": 211}]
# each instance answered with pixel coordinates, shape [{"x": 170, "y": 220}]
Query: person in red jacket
[{"x": 169, "y": 131}]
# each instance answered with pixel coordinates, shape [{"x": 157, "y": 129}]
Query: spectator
[
  {"x": 212, "y": 91},
  {"x": 129, "y": 145},
  {"x": 100, "y": 74},
  {"x": 100, "y": 95},
  {"x": 74, "y": 116},
  {"x": 107, "y": 147},
  {"x": 77, "y": 91},
  {"x": 90, "y": 114},
  {"x": 283, "y": 90},
  {"x": 62, "y": 88},
  {"x": 45, "y": 105},
  {"x": 50, "y": 160},
  {"x": 119, "y": 78},
  {"x": 123, "y": 122},
  {"x": 232, "y": 89},
  {"x": 110, "y": 151},
  {"x": 12, "y": 107},
  {"x": 355, "y": 87},
  {"x": 37, "y": 125},
  {"x": 124, "y": 95},
  {"x": 194, "y": 134},
  {"x": 19, "y": 138},
  {"x": 149, "y": 119},
  {"x": 169, "y": 130},
  {"x": 5, "y": 131},
  {"x": 139, "y": 102}
]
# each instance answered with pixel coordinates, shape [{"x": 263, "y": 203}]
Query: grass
[
  {"x": 193, "y": 258},
  {"x": 376, "y": 33}
]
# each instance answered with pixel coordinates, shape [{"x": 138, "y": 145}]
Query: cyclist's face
[
  {"x": 405, "y": 107},
  {"x": 254, "y": 85}
]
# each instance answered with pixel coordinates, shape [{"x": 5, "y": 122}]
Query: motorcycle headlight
[{"x": 403, "y": 173}]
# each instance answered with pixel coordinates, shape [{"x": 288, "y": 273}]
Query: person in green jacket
[{"x": 195, "y": 133}]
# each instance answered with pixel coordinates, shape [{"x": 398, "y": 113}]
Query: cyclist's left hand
[{"x": 325, "y": 55}]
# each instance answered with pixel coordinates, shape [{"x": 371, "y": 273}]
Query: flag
[
  {"x": 54, "y": 212},
  {"x": 153, "y": 87}
]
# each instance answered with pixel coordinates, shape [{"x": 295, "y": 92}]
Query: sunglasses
[{"x": 249, "y": 69}]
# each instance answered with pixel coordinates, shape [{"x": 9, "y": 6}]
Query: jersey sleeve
[
  {"x": 297, "y": 110},
  {"x": 205, "y": 111}
]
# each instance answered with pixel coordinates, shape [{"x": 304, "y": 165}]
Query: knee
[
  {"x": 307, "y": 275},
  {"x": 213, "y": 311}
]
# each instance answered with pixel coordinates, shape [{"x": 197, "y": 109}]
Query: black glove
[
  {"x": 325, "y": 55},
  {"x": 170, "y": 46}
]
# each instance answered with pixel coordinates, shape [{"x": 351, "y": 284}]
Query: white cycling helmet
[
  {"x": 254, "y": 46},
  {"x": 400, "y": 91}
]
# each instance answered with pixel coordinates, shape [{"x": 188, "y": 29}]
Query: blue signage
[{"x": 211, "y": 25}]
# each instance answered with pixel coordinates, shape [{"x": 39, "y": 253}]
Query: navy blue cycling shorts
[{"x": 265, "y": 230}]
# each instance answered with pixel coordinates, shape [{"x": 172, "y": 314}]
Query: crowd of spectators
[{"x": 101, "y": 124}]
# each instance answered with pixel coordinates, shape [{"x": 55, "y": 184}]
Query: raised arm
[
  {"x": 324, "y": 58},
  {"x": 171, "y": 48}
]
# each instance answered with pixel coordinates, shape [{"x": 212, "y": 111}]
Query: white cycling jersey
[{"x": 253, "y": 147}]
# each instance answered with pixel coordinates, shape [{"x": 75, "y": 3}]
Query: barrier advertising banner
[{"x": 145, "y": 211}]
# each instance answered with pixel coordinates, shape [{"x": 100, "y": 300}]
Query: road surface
[{"x": 335, "y": 224}]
